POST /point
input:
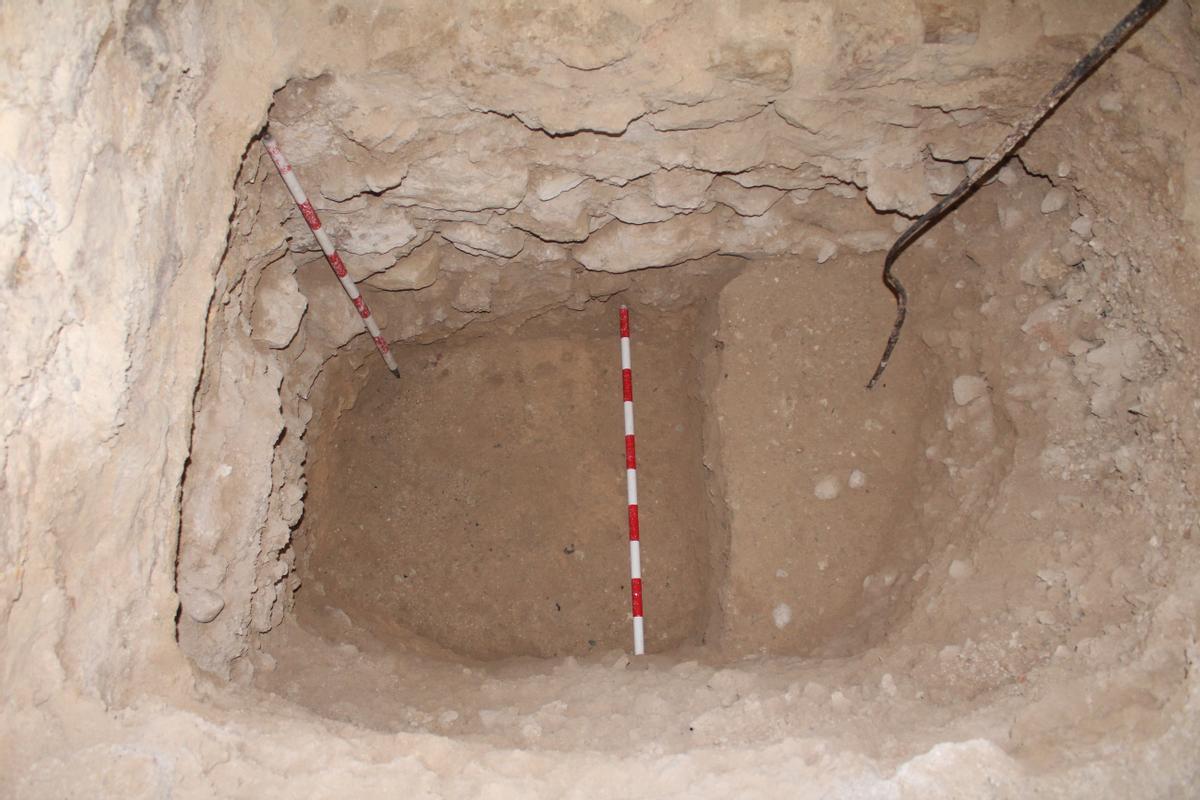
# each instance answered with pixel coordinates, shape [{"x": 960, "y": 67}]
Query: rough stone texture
[{"x": 137, "y": 231}]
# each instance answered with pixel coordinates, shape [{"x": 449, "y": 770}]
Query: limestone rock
[
  {"x": 331, "y": 317},
  {"x": 896, "y": 187},
  {"x": 551, "y": 183},
  {"x": 941, "y": 178},
  {"x": 496, "y": 238},
  {"x": 618, "y": 247},
  {"x": 202, "y": 605},
  {"x": 378, "y": 228},
  {"x": 1055, "y": 200},
  {"x": 680, "y": 188},
  {"x": 498, "y": 182},
  {"x": 474, "y": 295},
  {"x": 636, "y": 208},
  {"x": 278, "y": 306},
  {"x": 747, "y": 202},
  {"x": 967, "y": 388},
  {"x": 415, "y": 271},
  {"x": 563, "y": 218}
]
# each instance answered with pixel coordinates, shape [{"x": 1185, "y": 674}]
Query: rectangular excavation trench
[
  {"x": 476, "y": 506},
  {"x": 479, "y": 501}
]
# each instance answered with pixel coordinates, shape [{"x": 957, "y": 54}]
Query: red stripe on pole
[
  {"x": 361, "y": 305},
  {"x": 634, "y": 533},
  {"x": 627, "y": 384},
  {"x": 381, "y": 343},
  {"x": 630, "y": 453},
  {"x": 635, "y": 586},
  {"x": 624, "y": 322},
  {"x": 310, "y": 215},
  {"x": 339, "y": 266}
]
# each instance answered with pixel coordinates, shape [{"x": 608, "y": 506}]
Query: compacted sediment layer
[{"x": 241, "y": 557}]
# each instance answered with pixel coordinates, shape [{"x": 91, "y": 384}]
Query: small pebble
[
  {"x": 828, "y": 488},
  {"x": 858, "y": 479},
  {"x": 203, "y": 605},
  {"x": 1064, "y": 169},
  {"x": 1070, "y": 254},
  {"x": 967, "y": 388},
  {"x": 1111, "y": 102},
  {"x": 1055, "y": 200},
  {"x": 827, "y": 251},
  {"x": 1083, "y": 227},
  {"x": 960, "y": 569},
  {"x": 782, "y": 615}
]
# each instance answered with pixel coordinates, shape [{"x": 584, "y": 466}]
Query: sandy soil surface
[{"x": 480, "y": 500}]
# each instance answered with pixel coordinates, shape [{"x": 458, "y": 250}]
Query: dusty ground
[{"x": 480, "y": 500}]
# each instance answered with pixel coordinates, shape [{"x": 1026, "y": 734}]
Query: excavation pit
[
  {"x": 480, "y": 499},
  {"x": 974, "y": 580},
  {"x": 477, "y": 503}
]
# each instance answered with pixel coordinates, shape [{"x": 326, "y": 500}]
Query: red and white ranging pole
[
  {"x": 635, "y": 553},
  {"x": 330, "y": 251}
]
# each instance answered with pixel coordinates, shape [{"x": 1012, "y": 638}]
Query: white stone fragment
[
  {"x": 679, "y": 188},
  {"x": 782, "y": 615},
  {"x": 377, "y": 228},
  {"x": 858, "y": 479},
  {"x": 828, "y": 488},
  {"x": 278, "y": 306},
  {"x": 554, "y": 182},
  {"x": 415, "y": 271},
  {"x": 960, "y": 569},
  {"x": 1055, "y": 200},
  {"x": 942, "y": 178},
  {"x": 828, "y": 250},
  {"x": 967, "y": 388},
  {"x": 1082, "y": 226},
  {"x": 202, "y": 605}
]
